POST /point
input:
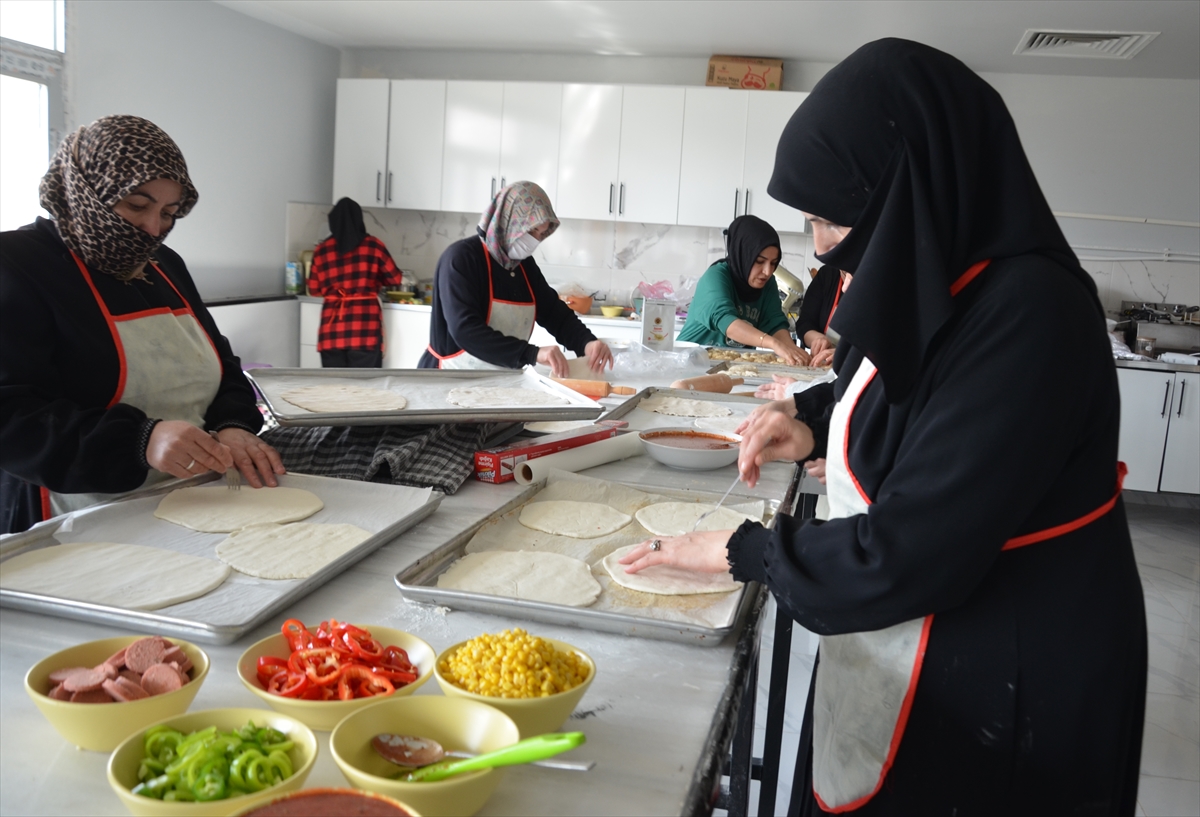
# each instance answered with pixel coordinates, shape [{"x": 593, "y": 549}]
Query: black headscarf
[
  {"x": 745, "y": 239},
  {"x": 346, "y": 224},
  {"x": 920, "y": 157}
]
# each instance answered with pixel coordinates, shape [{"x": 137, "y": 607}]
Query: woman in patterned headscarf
[
  {"x": 112, "y": 373},
  {"x": 488, "y": 292}
]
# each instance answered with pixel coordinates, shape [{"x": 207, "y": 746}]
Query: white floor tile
[{"x": 1167, "y": 797}]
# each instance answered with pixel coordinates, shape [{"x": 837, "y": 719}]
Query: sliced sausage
[
  {"x": 60, "y": 675},
  {"x": 130, "y": 675},
  {"x": 59, "y": 694},
  {"x": 85, "y": 680},
  {"x": 117, "y": 659},
  {"x": 123, "y": 689},
  {"x": 160, "y": 679},
  {"x": 91, "y": 696},
  {"x": 145, "y": 653},
  {"x": 110, "y": 672}
]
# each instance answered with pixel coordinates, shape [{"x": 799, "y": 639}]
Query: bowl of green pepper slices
[{"x": 213, "y": 762}]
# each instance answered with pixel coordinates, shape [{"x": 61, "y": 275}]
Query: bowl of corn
[{"x": 536, "y": 681}]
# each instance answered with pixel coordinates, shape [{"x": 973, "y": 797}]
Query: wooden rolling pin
[
  {"x": 720, "y": 383},
  {"x": 593, "y": 388}
]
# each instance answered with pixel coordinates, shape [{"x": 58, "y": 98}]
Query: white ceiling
[{"x": 982, "y": 33}]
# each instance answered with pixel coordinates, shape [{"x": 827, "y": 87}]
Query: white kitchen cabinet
[
  {"x": 529, "y": 134},
  {"x": 310, "y": 326},
  {"x": 416, "y": 135},
  {"x": 651, "y": 144},
  {"x": 405, "y": 336},
  {"x": 1181, "y": 457},
  {"x": 713, "y": 153},
  {"x": 471, "y": 158},
  {"x": 310, "y": 358},
  {"x": 766, "y": 115},
  {"x": 360, "y": 141},
  {"x": 589, "y": 152}
]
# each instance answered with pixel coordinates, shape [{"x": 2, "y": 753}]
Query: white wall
[{"x": 250, "y": 105}]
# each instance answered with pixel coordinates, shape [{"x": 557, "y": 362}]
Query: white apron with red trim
[
  {"x": 170, "y": 370},
  {"x": 863, "y": 679}
]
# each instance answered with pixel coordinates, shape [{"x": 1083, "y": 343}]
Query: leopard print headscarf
[{"x": 97, "y": 166}]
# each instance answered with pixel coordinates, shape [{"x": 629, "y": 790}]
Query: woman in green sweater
[{"x": 737, "y": 301}]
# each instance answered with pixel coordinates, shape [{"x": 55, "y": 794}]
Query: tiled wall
[{"x": 614, "y": 257}]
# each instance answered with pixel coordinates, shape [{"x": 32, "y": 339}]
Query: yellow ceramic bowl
[
  {"x": 533, "y": 716},
  {"x": 612, "y": 311},
  {"x": 316, "y": 801},
  {"x": 123, "y": 765},
  {"x": 324, "y": 715},
  {"x": 457, "y": 724},
  {"x": 100, "y": 727}
]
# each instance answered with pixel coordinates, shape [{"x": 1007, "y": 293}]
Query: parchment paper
[{"x": 582, "y": 458}]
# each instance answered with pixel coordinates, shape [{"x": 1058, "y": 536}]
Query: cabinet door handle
[
  {"x": 737, "y": 200},
  {"x": 493, "y": 187},
  {"x": 503, "y": 182},
  {"x": 389, "y": 188},
  {"x": 621, "y": 210},
  {"x": 612, "y": 189},
  {"x": 378, "y": 179},
  {"x": 746, "y": 209},
  {"x": 1182, "y": 389},
  {"x": 1166, "y": 397}
]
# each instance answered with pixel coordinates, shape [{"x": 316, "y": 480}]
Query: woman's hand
[
  {"x": 182, "y": 450},
  {"x": 252, "y": 456},
  {"x": 599, "y": 356},
  {"x": 822, "y": 358},
  {"x": 702, "y": 551},
  {"x": 792, "y": 354},
  {"x": 786, "y": 406},
  {"x": 776, "y": 390},
  {"x": 816, "y": 469},
  {"x": 770, "y": 436},
  {"x": 820, "y": 343},
  {"x": 553, "y": 357}
]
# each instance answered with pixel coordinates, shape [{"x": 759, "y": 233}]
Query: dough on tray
[
  {"x": 133, "y": 577},
  {"x": 667, "y": 580},
  {"x": 721, "y": 425},
  {"x": 678, "y": 518},
  {"x": 294, "y": 551},
  {"x": 219, "y": 510},
  {"x": 525, "y": 575},
  {"x": 579, "y": 520},
  {"x": 502, "y": 397},
  {"x": 331, "y": 398},
  {"x": 684, "y": 407}
]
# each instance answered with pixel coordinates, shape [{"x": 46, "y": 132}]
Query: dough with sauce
[
  {"x": 132, "y": 577},
  {"x": 501, "y": 397},
  {"x": 578, "y": 520},
  {"x": 294, "y": 551},
  {"x": 220, "y": 510},
  {"x": 667, "y": 580},
  {"x": 525, "y": 575},
  {"x": 337, "y": 399},
  {"x": 678, "y": 518},
  {"x": 684, "y": 407}
]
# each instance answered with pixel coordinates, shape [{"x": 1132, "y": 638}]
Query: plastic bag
[
  {"x": 639, "y": 361},
  {"x": 572, "y": 290},
  {"x": 660, "y": 291}
]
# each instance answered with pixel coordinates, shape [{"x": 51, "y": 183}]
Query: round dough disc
[
  {"x": 133, "y": 577},
  {"x": 678, "y": 518},
  {"x": 337, "y": 399},
  {"x": 684, "y": 407},
  {"x": 219, "y": 510},
  {"x": 526, "y": 575},
  {"x": 501, "y": 397},
  {"x": 579, "y": 520},
  {"x": 722, "y": 425},
  {"x": 294, "y": 551},
  {"x": 667, "y": 580}
]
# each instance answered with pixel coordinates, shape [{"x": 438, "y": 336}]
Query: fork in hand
[{"x": 233, "y": 479}]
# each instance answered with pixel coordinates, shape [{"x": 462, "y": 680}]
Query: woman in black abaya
[{"x": 983, "y": 641}]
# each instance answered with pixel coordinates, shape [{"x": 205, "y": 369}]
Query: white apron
[
  {"x": 514, "y": 319},
  {"x": 170, "y": 369}
]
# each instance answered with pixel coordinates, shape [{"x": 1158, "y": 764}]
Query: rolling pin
[
  {"x": 720, "y": 383},
  {"x": 593, "y": 388}
]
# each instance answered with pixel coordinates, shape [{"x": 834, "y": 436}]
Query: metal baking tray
[
  {"x": 425, "y": 390},
  {"x": 242, "y": 602},
  {"x": 765, "y": 370},
  {"x": 418, "y": 582},
  {"x": 738, "y": 404}
]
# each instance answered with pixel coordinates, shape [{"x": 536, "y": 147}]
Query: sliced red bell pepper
[
  {"x": 287, "y": 684},
  {"x": 356, "y": 681},
  {"x": 320, "y": 664}
]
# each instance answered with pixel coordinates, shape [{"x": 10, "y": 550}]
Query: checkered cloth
[
  {"x": 350, "y": 283},
  {"x": 436, "y": 456}
]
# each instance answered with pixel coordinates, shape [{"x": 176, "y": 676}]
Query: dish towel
[{"x": 434, "y": 456}]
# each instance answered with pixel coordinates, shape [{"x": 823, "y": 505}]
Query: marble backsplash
[{"x": 613, "y": 257}]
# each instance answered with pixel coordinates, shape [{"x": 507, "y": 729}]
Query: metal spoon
[
  {"x": 411, "y": 751},
  {"x": 707, "y": 514}
]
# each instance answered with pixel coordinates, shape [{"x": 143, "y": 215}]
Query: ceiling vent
[{"x": 1110, "y": 45}]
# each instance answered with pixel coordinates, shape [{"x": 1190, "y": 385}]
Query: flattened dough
[
  {"x": 579, "y": 520},
  {"x": 667, "y": 580},
  {"x": 133, "y": 577},
  {"x": 722, "y": 425},
  {"x": 526, "y": 575},
  {"x": 677, "y": 518},
  {"x": 294, "y": 551},
  {"x": 219, "y": 510},
  {"x": 501, "y": 397},
  {"x": 683, "y": 407},
  {"x": 336, "y": 399}
]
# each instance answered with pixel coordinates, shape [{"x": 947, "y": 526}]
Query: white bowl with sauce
[{"x": 690, "y": 449}]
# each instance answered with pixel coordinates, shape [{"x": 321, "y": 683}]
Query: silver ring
[
  {"x": 656, "y": 545},
  {"x": 188, "y": 467}
]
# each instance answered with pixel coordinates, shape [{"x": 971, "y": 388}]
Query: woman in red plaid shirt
[{"x": 349, "y": 268}]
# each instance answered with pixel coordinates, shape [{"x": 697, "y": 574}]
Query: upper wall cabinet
[
  {"x": 767, "y": 113},
  {"x": 361, "y": 140},
  {"x": 589, "y": 152}
]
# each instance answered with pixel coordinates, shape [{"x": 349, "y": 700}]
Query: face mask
[{"x": 523, "y": 247}]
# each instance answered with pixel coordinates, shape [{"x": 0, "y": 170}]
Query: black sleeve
[
  {"x": 555, "y": 316},
  {"x": 818, "y": 300},
  {"x": 462, "y": 294},
  {"x": 813, "y": 407}
]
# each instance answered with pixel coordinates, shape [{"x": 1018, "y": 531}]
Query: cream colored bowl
[
  {"x": 612, "y": 311},
  {"x": 123, "y": 765},
  {"x": 324, "y": 715},
  {"x": 533, "y": 716},
  {"x": 457, "y": 724},
  {"x": 302, "y": 802},
  {"x": 100, "y": 727}
]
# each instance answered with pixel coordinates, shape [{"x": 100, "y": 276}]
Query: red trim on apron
[
  {"x": 837, "y": 297},
  {"x": 112, "y": 328},
  {"x": 342, "y": 299},
  {"x": 1061, "y": 530},
  {"x": 969, "y": 276},
  {"x": 440, "y": 358},
  {"x": 44, "y": 496},
  {"x": 487, "y": 256}
]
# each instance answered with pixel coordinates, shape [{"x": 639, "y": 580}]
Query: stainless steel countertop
[
  {"x": 655, "y": 716},
  {"x": 1157, "y": 366}
]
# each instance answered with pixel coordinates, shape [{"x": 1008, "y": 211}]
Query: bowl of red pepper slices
[{"x": 319, "y": 677}]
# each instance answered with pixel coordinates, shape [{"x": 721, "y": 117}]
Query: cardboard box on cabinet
[{"x": 753, "y": 73}]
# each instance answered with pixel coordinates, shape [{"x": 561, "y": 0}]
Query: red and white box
[{"x": 497, "y": 464}]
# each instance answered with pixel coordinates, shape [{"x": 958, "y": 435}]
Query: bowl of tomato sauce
[
  {"x": 330, "y": 802},
  {"x": 690, "y": 449}
]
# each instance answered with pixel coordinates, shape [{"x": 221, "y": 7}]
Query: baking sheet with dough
[
  {"x": 507, "y": 533},
  {"x": 640, "y": 419}
]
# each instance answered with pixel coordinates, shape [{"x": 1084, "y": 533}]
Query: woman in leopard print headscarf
[{"x": 113, "y": 374}]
